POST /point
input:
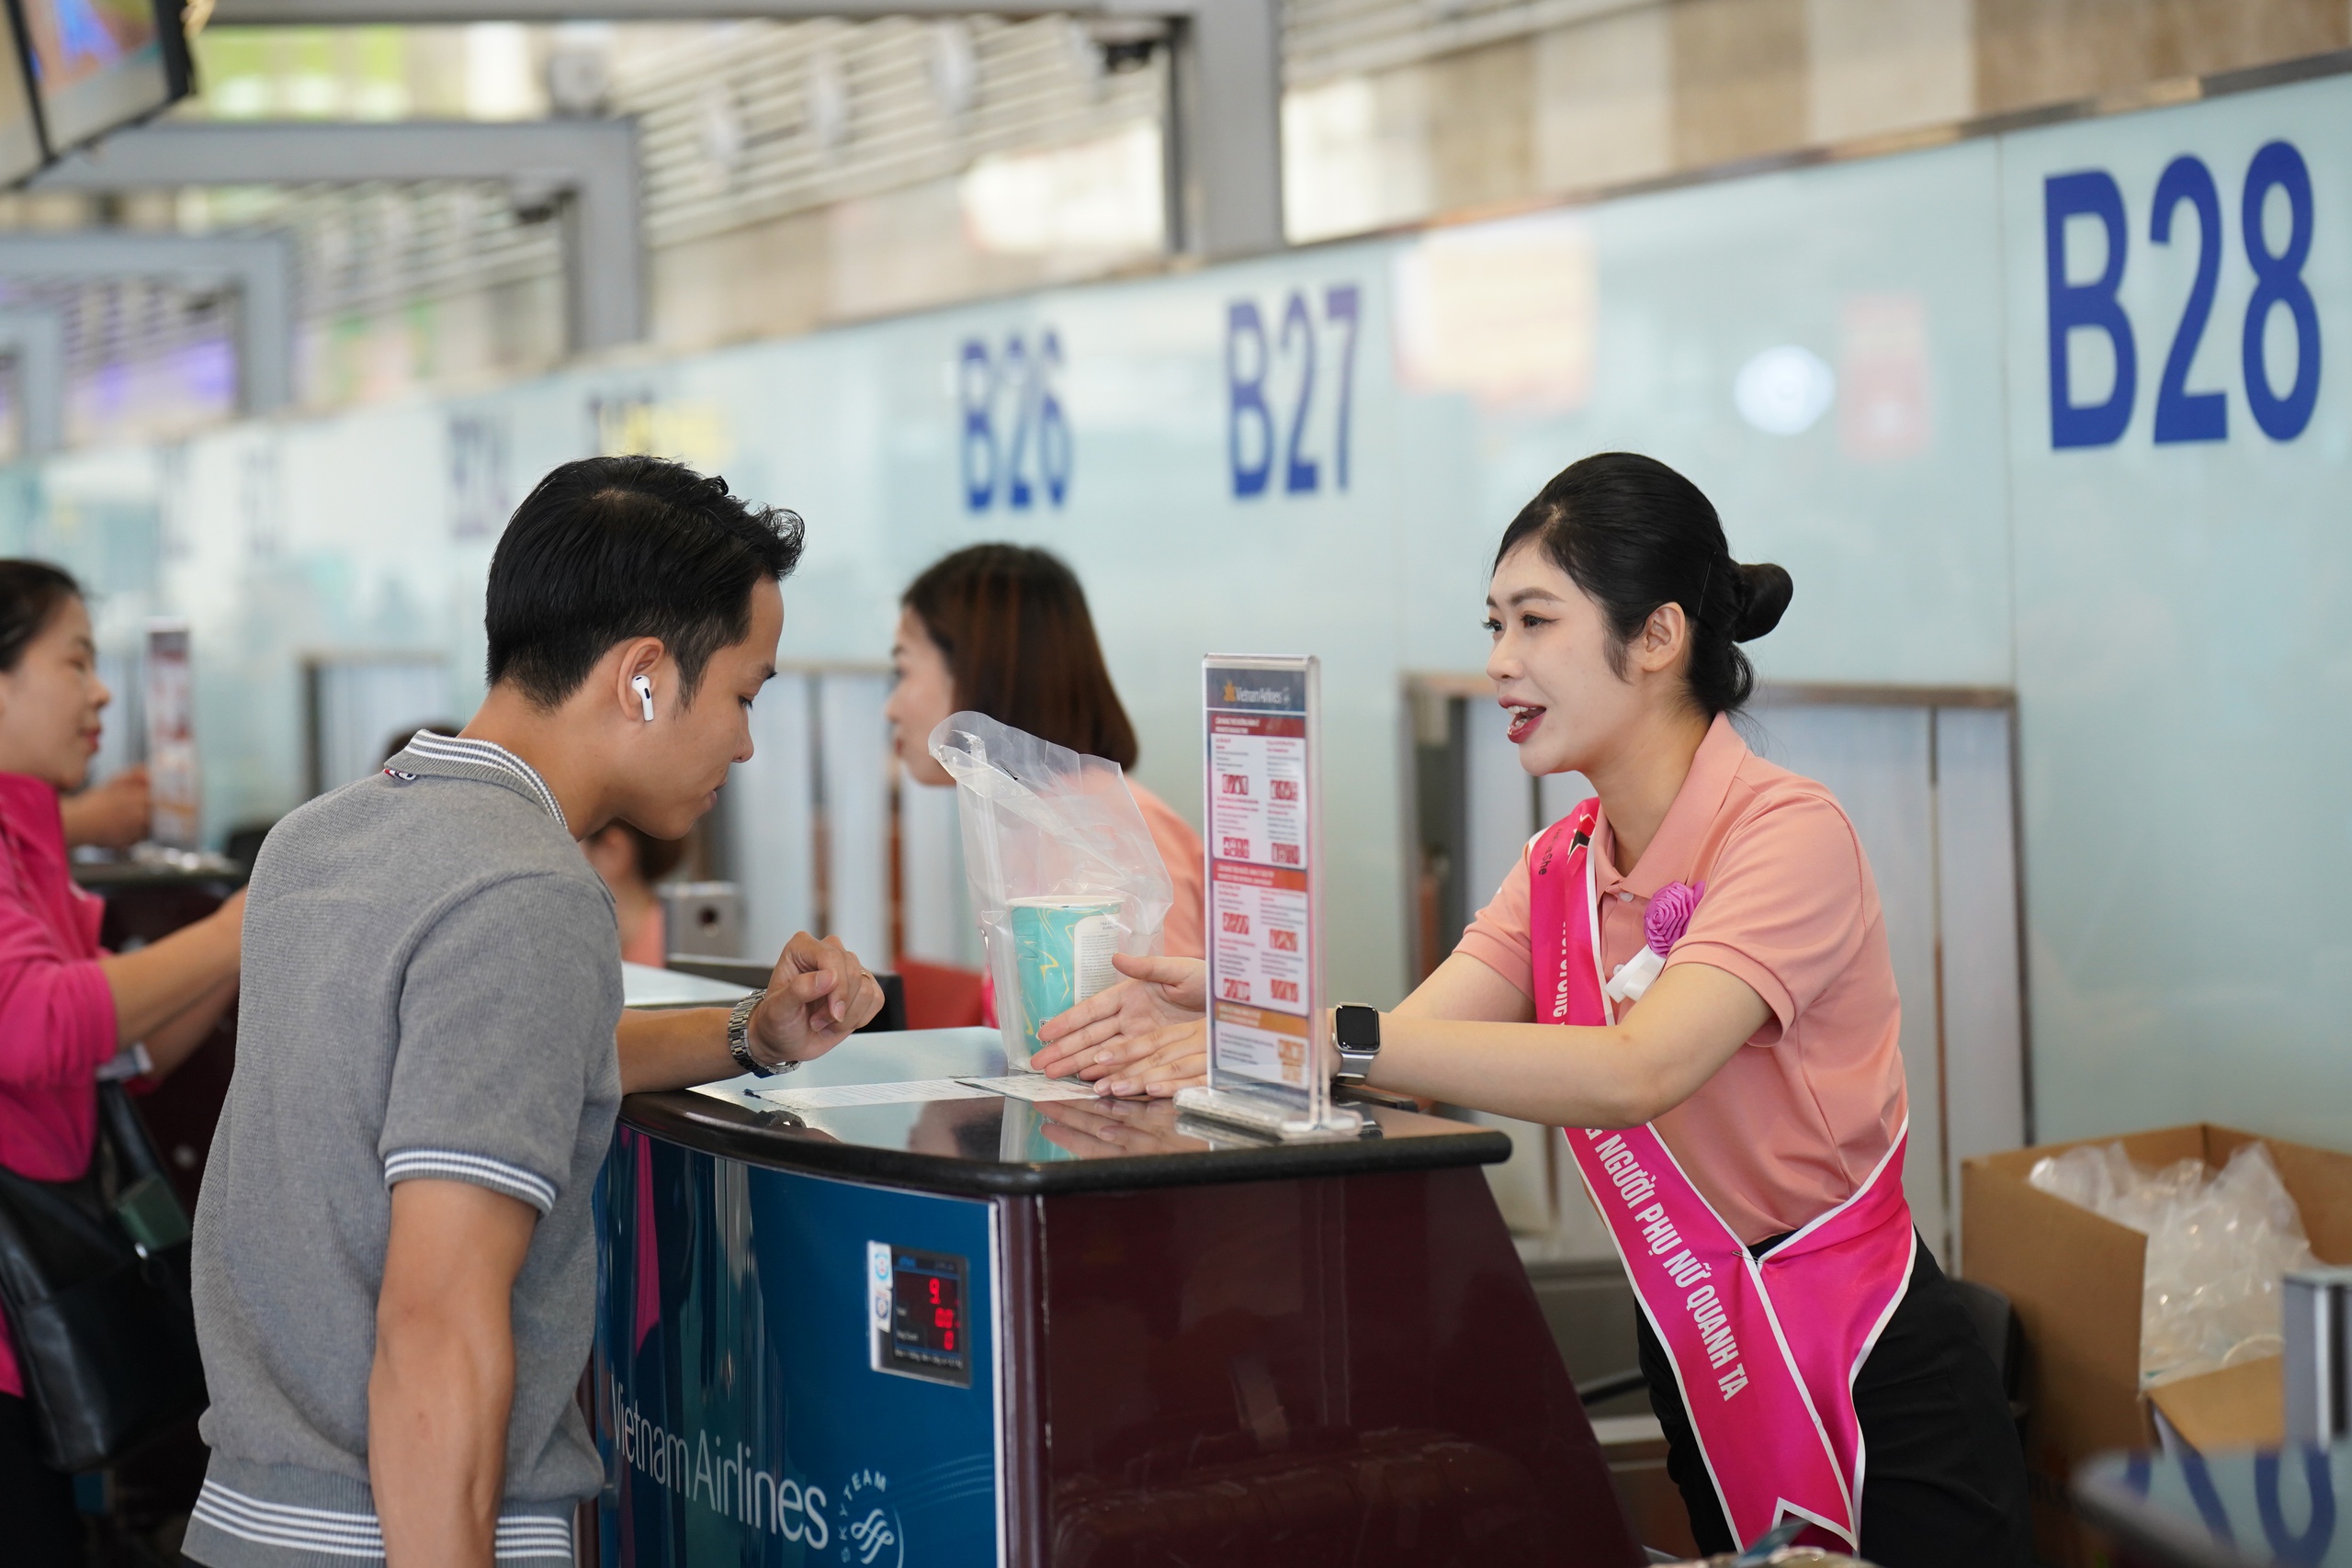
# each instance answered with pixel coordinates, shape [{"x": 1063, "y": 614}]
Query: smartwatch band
[{"x": 1355, "y": 1033}]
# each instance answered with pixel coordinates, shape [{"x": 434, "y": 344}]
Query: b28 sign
[{"x": 2279, "y": 396}]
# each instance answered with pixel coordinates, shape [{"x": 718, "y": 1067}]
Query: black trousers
[
  {"x": 1943, "y": 1475},
  {"x": 37, "y": 1514}
]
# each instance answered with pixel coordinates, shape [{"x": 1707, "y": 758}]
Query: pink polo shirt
[
  {"x": 1796, "y": 1121},
  {"x": 1184, "y": 934},
  {"x": 56, "y": 1010}
]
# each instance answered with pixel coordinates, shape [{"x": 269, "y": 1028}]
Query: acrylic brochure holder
[{"x": 1261, "y": 743}]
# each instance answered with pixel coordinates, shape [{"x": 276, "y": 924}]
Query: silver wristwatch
[
  {"x": 1355, "y": 1035},
  {"x": 739, "y": 1038}
]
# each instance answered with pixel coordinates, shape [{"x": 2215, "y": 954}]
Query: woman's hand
[
  {"x": 1109, "y": 1029},
  {"x": 1111, "y": 1127},
  {"x": 113, "y": 815},
  {"x": 1160, "y": 1063}
]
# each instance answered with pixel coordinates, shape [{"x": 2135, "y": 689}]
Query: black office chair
[
  {"x": 751, "y": 975},
  {"x": 1997, "y": 1324}
]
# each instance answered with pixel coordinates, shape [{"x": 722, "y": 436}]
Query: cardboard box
[{"x": 2076, "y": 1278}]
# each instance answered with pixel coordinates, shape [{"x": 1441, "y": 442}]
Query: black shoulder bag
[{"x": 93, "y": 1277}]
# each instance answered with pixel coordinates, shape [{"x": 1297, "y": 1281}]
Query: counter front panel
[{"x": 791, "y": 1368}]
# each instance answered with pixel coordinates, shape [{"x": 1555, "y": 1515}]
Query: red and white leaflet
[{"x": 1259, "y": 899}]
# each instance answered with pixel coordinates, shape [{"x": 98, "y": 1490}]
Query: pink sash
[{"x": 1766, "y": 1351}]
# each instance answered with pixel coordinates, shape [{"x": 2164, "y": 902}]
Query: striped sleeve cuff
[{"x": 453, "y": 1164}]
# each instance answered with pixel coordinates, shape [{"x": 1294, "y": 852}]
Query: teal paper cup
[{"x": 1062, "y": 947}]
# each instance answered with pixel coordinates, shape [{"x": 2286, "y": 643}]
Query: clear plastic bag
[
  {"x": 1040, "y": 821},
  {"x": 2219, "y": 1247}
]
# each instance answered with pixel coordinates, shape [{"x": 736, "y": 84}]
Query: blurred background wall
[{"x": 799, "y": 174}]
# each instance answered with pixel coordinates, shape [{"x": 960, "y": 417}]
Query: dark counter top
[
  {"x": 162, "y": 868},
  {"x": 994, "y": 1143}
]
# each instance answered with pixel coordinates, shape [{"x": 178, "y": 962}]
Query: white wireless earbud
[{"x": 644, "y": 690}]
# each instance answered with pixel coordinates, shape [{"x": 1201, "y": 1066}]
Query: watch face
[{"x": 1359, "y": 1029}]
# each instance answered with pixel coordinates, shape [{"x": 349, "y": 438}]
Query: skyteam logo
[{"x": 867, "y": 1526}]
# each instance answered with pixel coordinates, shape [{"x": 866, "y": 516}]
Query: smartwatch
[
  {"x": 1356, "y": 1032},
  {"x": 739, "y": 1042}
]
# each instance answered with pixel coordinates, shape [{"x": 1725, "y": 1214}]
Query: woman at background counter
[
  {"x": 1003, "y": 630},
  {"x": 1689, "y": 974},
  {"x": 67, "y": 1008}
]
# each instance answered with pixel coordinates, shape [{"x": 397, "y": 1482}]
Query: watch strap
[{"x": 739, "y": 1039}]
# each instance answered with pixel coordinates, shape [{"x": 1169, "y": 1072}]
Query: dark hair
[
  {"x": 31, "y": 593},
  {"x": 608, "y": 548},
  {"x": 1013, "y": 626},
  {"x": 1635, "y": 535}
]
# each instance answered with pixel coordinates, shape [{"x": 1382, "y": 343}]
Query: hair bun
[{"x": 1764, "y": 594}]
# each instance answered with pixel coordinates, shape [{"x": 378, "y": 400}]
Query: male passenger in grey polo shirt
[{"x": 394, "y": 1267}]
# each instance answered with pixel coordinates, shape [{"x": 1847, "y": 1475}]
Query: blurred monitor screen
[
  {"x": 20, "y": 145},
  {"x": 101, "y": 64}
]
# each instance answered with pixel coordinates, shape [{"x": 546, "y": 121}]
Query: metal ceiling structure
[
  {"x": 1221, "y": 141},
  {"x": 259, "y": 269},
  {"x": 1224, "y": 137},
  {"x": 33, "y": 343},
  {"x": 585, "y": 170}
]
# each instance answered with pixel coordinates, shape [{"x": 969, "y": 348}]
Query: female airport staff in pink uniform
[
  {"x": 1003, "y": 630},
  {"x": 66, "y": 1007},
  {"x": 1734, "y": 1100}
]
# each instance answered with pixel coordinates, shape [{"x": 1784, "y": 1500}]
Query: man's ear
[{"x": 639, "y": 656}]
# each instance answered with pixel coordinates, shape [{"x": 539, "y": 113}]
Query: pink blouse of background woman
[{"x": 57, "y": 1025}]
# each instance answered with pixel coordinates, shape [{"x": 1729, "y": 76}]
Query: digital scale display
[{"x": 916, "y": 1302}]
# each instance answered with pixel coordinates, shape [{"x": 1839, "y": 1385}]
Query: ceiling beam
[
  {"x": 590, "y": 166},
  {"x": 333, "y": 13},
  {"x": 259, "y": 269},
  {"x": 33, "y": 341},
  {"x": 1224, "y": 130}
]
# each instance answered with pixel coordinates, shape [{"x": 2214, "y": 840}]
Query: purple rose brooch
[{"x": 1668, "y": 916}]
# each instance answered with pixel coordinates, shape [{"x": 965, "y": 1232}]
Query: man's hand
[
  {"x": 444, "y": 1379},
  {"x": 113, "y": 816},
  {"x": 819, "y": 996},
  {"x": 1124, "y": 1023}
]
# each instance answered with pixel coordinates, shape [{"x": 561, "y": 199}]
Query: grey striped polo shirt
[{"x": 431, "y": 981}]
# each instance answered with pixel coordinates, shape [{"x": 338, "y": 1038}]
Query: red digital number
[
  {"x": 944, "y": 1318},
  {"x": 1286, "y": 854},
  {"x": 934, "y": 1293},
  {"x": 1236, "y": 783},
  {"x": 1282, "y": 940},
  {"x": 1284, "y": 789},
  {"x": 947, "y": 1340},
  {"x": 1239, "y": 925},
  {"x": 1236, "y": 849},
  {"x": 1284, "y": 990},
  {"x": 1236, "y": 990}
]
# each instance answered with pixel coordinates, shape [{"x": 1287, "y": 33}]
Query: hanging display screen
[
  {"x": 21, "y": 154},
  {"x": 99, "y": 65},
  {"x": 919, "y": 1322}
]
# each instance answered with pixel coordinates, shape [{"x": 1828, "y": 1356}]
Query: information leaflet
[
  {"x": 1263, "y": 874},
  {"x": 177, "y": 810}
]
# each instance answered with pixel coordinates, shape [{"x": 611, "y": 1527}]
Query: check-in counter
[{"x": 912, "y": 1321}]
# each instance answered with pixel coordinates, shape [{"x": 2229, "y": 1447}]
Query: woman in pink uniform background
[
  {"x": 67, "y": 1008},
  {"x": 1003, "y": 630},
  {"x": 1734, "y": 1099}
]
